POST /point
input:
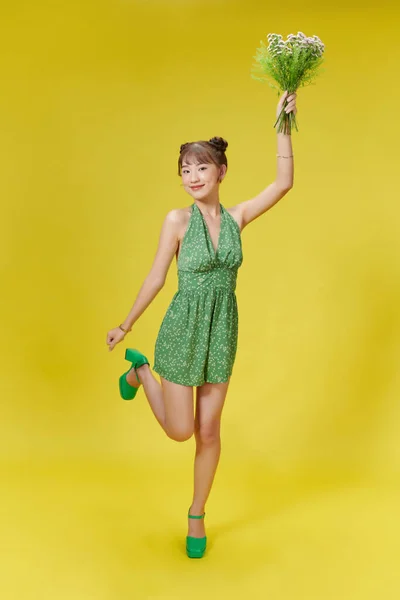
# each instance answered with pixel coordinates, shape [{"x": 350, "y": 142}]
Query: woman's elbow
[{"x": 156, "y": 280}]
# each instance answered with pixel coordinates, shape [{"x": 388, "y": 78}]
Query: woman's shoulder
[
  {"x": 235, "y": 213},
  {"x": 179, "y": 218}
]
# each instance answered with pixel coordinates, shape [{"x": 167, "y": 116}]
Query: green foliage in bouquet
[{"x": 291, "y": 64}]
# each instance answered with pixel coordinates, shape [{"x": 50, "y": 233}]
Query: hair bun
[
  {"x": 219, "y": 143},
  {"x": 183, "y": 146}
]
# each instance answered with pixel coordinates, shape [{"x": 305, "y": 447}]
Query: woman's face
[{"x": 199, "y": 180}]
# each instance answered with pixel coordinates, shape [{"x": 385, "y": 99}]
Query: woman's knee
[
  {"x": 208, "y": 433},
  {"x": 180, "y": 433}
]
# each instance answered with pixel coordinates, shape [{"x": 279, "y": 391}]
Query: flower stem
[
  {"x": 286, "y": 121},
  {"x": 283, "y": 108}
]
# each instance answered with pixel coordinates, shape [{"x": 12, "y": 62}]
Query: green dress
[{"x": 197, "y": 340}]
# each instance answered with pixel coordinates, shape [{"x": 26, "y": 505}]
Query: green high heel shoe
[
  {"x": 195, "y": 547},
  {"x": 127, "y": 391}
]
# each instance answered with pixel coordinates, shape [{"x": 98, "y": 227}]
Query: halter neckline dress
[{"x": 197, "y": 339}]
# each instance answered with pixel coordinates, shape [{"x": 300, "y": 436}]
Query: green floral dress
[{"x": 197, "y": 340}]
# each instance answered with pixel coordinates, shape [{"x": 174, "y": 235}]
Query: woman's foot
[
  {"x": 132, "y": 379},
  {"x": 196, "y": 527}
]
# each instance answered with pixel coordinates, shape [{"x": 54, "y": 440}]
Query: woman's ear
[{"x": 222, "y": 173}]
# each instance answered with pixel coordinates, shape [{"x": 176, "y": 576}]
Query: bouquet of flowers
[{"x": 292, "y": 63}]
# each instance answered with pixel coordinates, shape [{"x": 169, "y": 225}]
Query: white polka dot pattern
[{"x": 197, "y": 340}]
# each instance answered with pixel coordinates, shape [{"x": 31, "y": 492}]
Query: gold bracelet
[
  {"x": 279, "y": 156},
  {"x": 124, "y": 330}
]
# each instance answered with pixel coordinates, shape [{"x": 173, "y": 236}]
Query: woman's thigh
[
  {"x": 178, "y": 403},
  {"x": 210, "y": 400}
]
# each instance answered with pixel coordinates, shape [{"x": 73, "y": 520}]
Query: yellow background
[{"x": 96, "y": 99}]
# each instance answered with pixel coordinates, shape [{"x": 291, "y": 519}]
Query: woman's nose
[{"x": 194, "y": 177}]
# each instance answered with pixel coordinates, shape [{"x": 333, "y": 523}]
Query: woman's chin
[
  {"x": 197, "y": 195},
  {"x": 200, "y": 194}
]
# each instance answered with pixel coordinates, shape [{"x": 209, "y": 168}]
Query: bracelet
[
  {"x": 124, "y": 330},
  {"x": 279, "y": 156}
]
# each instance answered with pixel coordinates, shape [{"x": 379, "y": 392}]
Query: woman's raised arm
[{"x": 249, "y": 210}]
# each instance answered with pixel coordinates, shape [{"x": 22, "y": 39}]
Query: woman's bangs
[{"x": 197, "y": 156}]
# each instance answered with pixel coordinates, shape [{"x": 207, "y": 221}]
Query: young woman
[{"x": 197, "y": 340}]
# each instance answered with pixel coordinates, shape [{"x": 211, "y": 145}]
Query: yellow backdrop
[{"x": 96, "y": 99}]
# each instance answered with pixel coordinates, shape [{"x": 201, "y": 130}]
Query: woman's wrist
[{"x": 125, "y": 328}]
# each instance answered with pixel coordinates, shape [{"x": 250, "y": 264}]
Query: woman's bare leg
[
  {"x": 209, "y": 405},
  {"x": 171, "y": 403},
  {"x": 152, "y": 389}
]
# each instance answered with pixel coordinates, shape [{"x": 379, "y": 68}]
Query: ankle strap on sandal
[{"x": 195, "y": 516}]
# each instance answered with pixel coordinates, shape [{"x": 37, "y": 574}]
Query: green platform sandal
[
  {"x": 195, "y": 547},
  {"x": 127, "y": 391}
]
